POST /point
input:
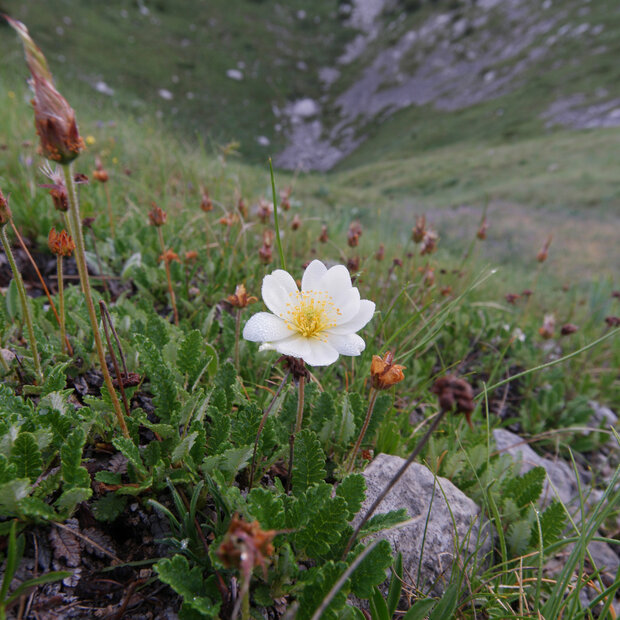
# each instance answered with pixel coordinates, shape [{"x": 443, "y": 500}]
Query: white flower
[{"x": 316, "y": 324}]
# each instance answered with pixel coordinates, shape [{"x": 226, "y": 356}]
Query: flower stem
[
  {"x": 173, "y": 300},
  {"x": 24, "y": 301},
  {"x": 371, "y": 405},
  {"x": 110, "y": 212},
  {"x": 61, "y": 303},
  {"x": 275, "y": 216},
  {"x": 237, "y": 332},
  {"x": 298, "y": 422},
  {"x": 80, "y": 259},
  {"x": 394, "y": 480}
]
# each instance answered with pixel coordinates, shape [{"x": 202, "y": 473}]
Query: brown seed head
[
  {"x": 568, "y": 329},
  {"x": 354, "y": 233},
  {"x": 240, "y": 299},
  {"x": 157, "y": 216},
  {"x": 380, "y": 253},
  {"x": 384, "y": 373},
  {"x": 265, "y": 209},
  {"x": 353, "y": 264},
  {"x": 482, "y": 231},
  {"x": 397, "y": 262},
  {"x": 190, "y": 256},
  {"x": 548, "y": 327},
  {"x": 323, "y": 237},
  {"x": 295, "y": 222},
  {"x": 527, "y": 292},
  {"x": 60, "y": 243},
  {"x": 455, "y": 395},
  {"x": 612, "y": 321},
  {"x": 512, "y": 298},
  {"x": 168, "y": 256},
  {"x": 99, "y": 173},
  {"x": 429, "y": 242},
  {"x": 419, "y": 230},
  {"x": 205, "y": 202},
  {"x": 242, "y": 207},
  {"x": 446, "y": 291},
  {"x": 265, "y": 254},
  {"x": 5, "y": 212},
  {"x": 429, "y": 276}
]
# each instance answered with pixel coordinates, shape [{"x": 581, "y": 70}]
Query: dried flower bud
[
  {"x": 615, "y": 294},
  {"x": 397, "y": 262},
  {"x": 242, "y": 207},
  {"x": 190, "y": 256},
  {"x": 240, "y": 299},
  {"x": 268, "y": 237},
  {"x": 429, "y": 242},
  {"x": 511, "y": 298},
  {"x": 246, "y": 546},
  {"x": 5, "y": 212},
  {"x": 568, "y": 329},
  {"x": 527, "y": 293},
  {"x": 168, "y": 256},
  {"x": 384, "y": 373},
  {"x": 265, "y": 209},
  {"x": 157, "y": 216},
  {"x": 612, "y": 321},
  {"x": 323, "y": 238},
  {"x": 429, "y": 276},
  {"x": 446, "y": 291},
  {"x": 87, "y": 222},
  {"x": 230, "y": 219},
  {"x": 419, "y": 230},
  {"x": 353, "y": 264},
  {"x": 455, "y": 395},
  {"x": 380, "y": 253},
  {"x": 265, "y": 254},
  {"x": 205, "y": 202},
  {"x": 548, "y": 327},
  {"x": 99, "y": 173},
  {"x": 541, "y": 257},
  {"x": 354, "y": 233},
  {"x": 296, "y": 366},
  {"x": 295, "y": 222},
  {"x": 60, "y": 243},
  {"x": 482, "y": 231},
  {"x": 53, "y": 116}
]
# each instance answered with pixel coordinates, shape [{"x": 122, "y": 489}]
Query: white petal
[
  {"x": 312, "y": 276},
  {"x": 278, "y": 289},
  {"x": 366, "y": 311},
  {"x": 351, "y": 344},
  {"x": 336, "y": 281},
  {"x": 312, "y": 351},
  {"x": 348, "y": 302},
  {"x": 265, "y": 327}
]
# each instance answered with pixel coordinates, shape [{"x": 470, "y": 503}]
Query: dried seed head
[
  {"x": 265, "y": 254},
  {"x": 168, "y": 256},
  {"x": 60, "y": 243},
  {"x": 455, "y": 395},
  {"x": 446, "y": 291},
  {"x": 295, "y": 222},
  {"x": 296, "y": 366},
  {"x": 429, "y": 276},
  {"x": 230, "y": 219},
  {"x": 429, "y": 242},
  {"x": 354, "y": 233},
  {"x": 612, "y": 321},
  {"x": 190, "y": 256},
  {"x": 157, "y": 216},
  {"x": 380, "y": 253},
  {"x": 512, "y": 298},
  {"x": 99, "y": 173},
  {"x": 568, "y": 329},
  {"x": 5, "y": 212},
  {"x": 323, "y": 237},
  {"x": 541, "y": 257},
  {"x": 397, "y": 262},
  {"x": 353, "y": 264},
  {"x": 205, "y": 202},
  {"x": 265, "y": 209},
  {"x": 548, "y": 327},
  {"x": 419, "y": 230},
  {"x": 240, "y": 299},
  {"x": 242, "y": 207},
  {"x": 384, "y": 373},
  {"x": 482, "y": 231},
  {"x": 527, "y": 292}
]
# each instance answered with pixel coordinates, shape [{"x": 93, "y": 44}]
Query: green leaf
[
  {"x": 189, "y": 355},
  {"x": 8, "y": 471},
  {"x": 11, "y": 493},
  {"x": 267, "y": 508},
  {"x": 447, "y": 604},
  {"x": 70, "y": 498},
  {"x": 35, "y": 508},
  {"x": 109, "y": 507},
  {"x": 378, "y": 606},
  {"x": 26, "y": 457},
  {"x": 230, "y": 462},
  {"x": 188, "y": 583},
  {"x": 526, "y": 488},
  {"x": 245, "y": 424},
  {"x": 161, "y": 379},
  {"x": 108, "y": 477},
  {"x": 10, "y": 565},
  {"x": 184, "y": 446},
  {"x": 384, "y": 521},
  {"x": 420, "y": 609},
  {"x": 396, "y": 585},
  {"x": 11, "y": 299},
  {"x": 73, "y": 474},
  {"x": 309, "y": 462},
  {"x": 56, "y": 379},
  {"x": 372, "y": 570},
  {"x": 353, "y": 490},
  {"x": 518, "y": 536},
  {"x": 219, "y": 431},
  {"x": 317, "y": 582},
  {"x": 130, "y": 451},
  {"x": 552, "y": 524}
]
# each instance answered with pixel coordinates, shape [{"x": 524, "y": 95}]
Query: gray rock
[{"x": 431, "y": 543}]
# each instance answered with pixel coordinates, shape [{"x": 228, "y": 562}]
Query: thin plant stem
[
  {"x": 61, "y": 303},
  {"x": 262, "y": 424},
  {"x": 371, "y": 405},
  {"x": 110, "y": 212},
  {"x": 80, "y": 259},
  {"x": 298, "y": 423},
  {"x": 275, "y": 216},
  {"x": 104, "y": 278},
  {"x": 105, "y": 319},
  {"x": 394, "y": 480},
  {"x": 4, "y": 363},
  {"x": 237, "y": 332},
  {"x": 116, "y": 338},
  {"x": 173, "y": 300},
  {"x": 19, "y": 282}
]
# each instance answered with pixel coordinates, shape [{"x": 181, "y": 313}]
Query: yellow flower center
[{"x": 310, "y": 313}]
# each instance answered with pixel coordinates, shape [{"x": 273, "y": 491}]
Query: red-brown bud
[
  {"x": 455, "y": 395},
  {"x": 295, "y": 222},
  {"x": 548, "y": 327},
  {"x": 168, "y": 256},
  {"x": 612, "y": 321},
  {"x": 190, "y": 256},
  {"x": 568, "y": 329},
  {"x": 99, "y": 173},
  {"x": 157, "y": 216},
  {"x": 429, "y": 242},
  {"x": 512, "y": 298},
  {"x": 240, "y": 299},
  {"x": 541, "y": 257},
  {"x": 206, "y": 203},
  {"x": 353, "y": 264},
  {"x": 354, "y": 233},
  {"x": 323, "y": 238},
  {"x": 384, "y": 373},
  {"x": 5, "y": 212},
  {"x": 60, "y": 243},
  {"x": 419, "y": 230},
  {"x": 380, "y": 253},
  {"x": 482, "y": 231}
]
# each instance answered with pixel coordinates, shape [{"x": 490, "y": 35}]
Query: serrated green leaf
[
  {"x": 26, "y": 457},
  {"x": 73, "y": 474},
  {"x": 182, "y": 449},
  {"x": 109, "y": 507},
  {"x": 552, "y": 524},
  {"x": 190, "y": 354},
  {"x": 8, "y": 471},
  {"x": 383, "y": 521},
  {"x": 70, "y": 498},
  {"x": 518, "y": 536},
  {"x": 353, "y": 490},
  {"x": 267, "y": 508},
  {"x": 56, "y": 379},
  {"x": 372, "y": 570},
  {"x": 218, "y": 432},
  {"x": 526, "y": 488},
  {"x": 108, "y": 477},
  {"x": 229, "y": 462},
  {"x": 317, "y": 582},
  {"x": 245, "y": 424},
  {"x": 130, "y": 451},
  {"x": 309, "y": 462},
  {"x": 420, "y": 609},
  {"x": 36, "y": 508}
]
